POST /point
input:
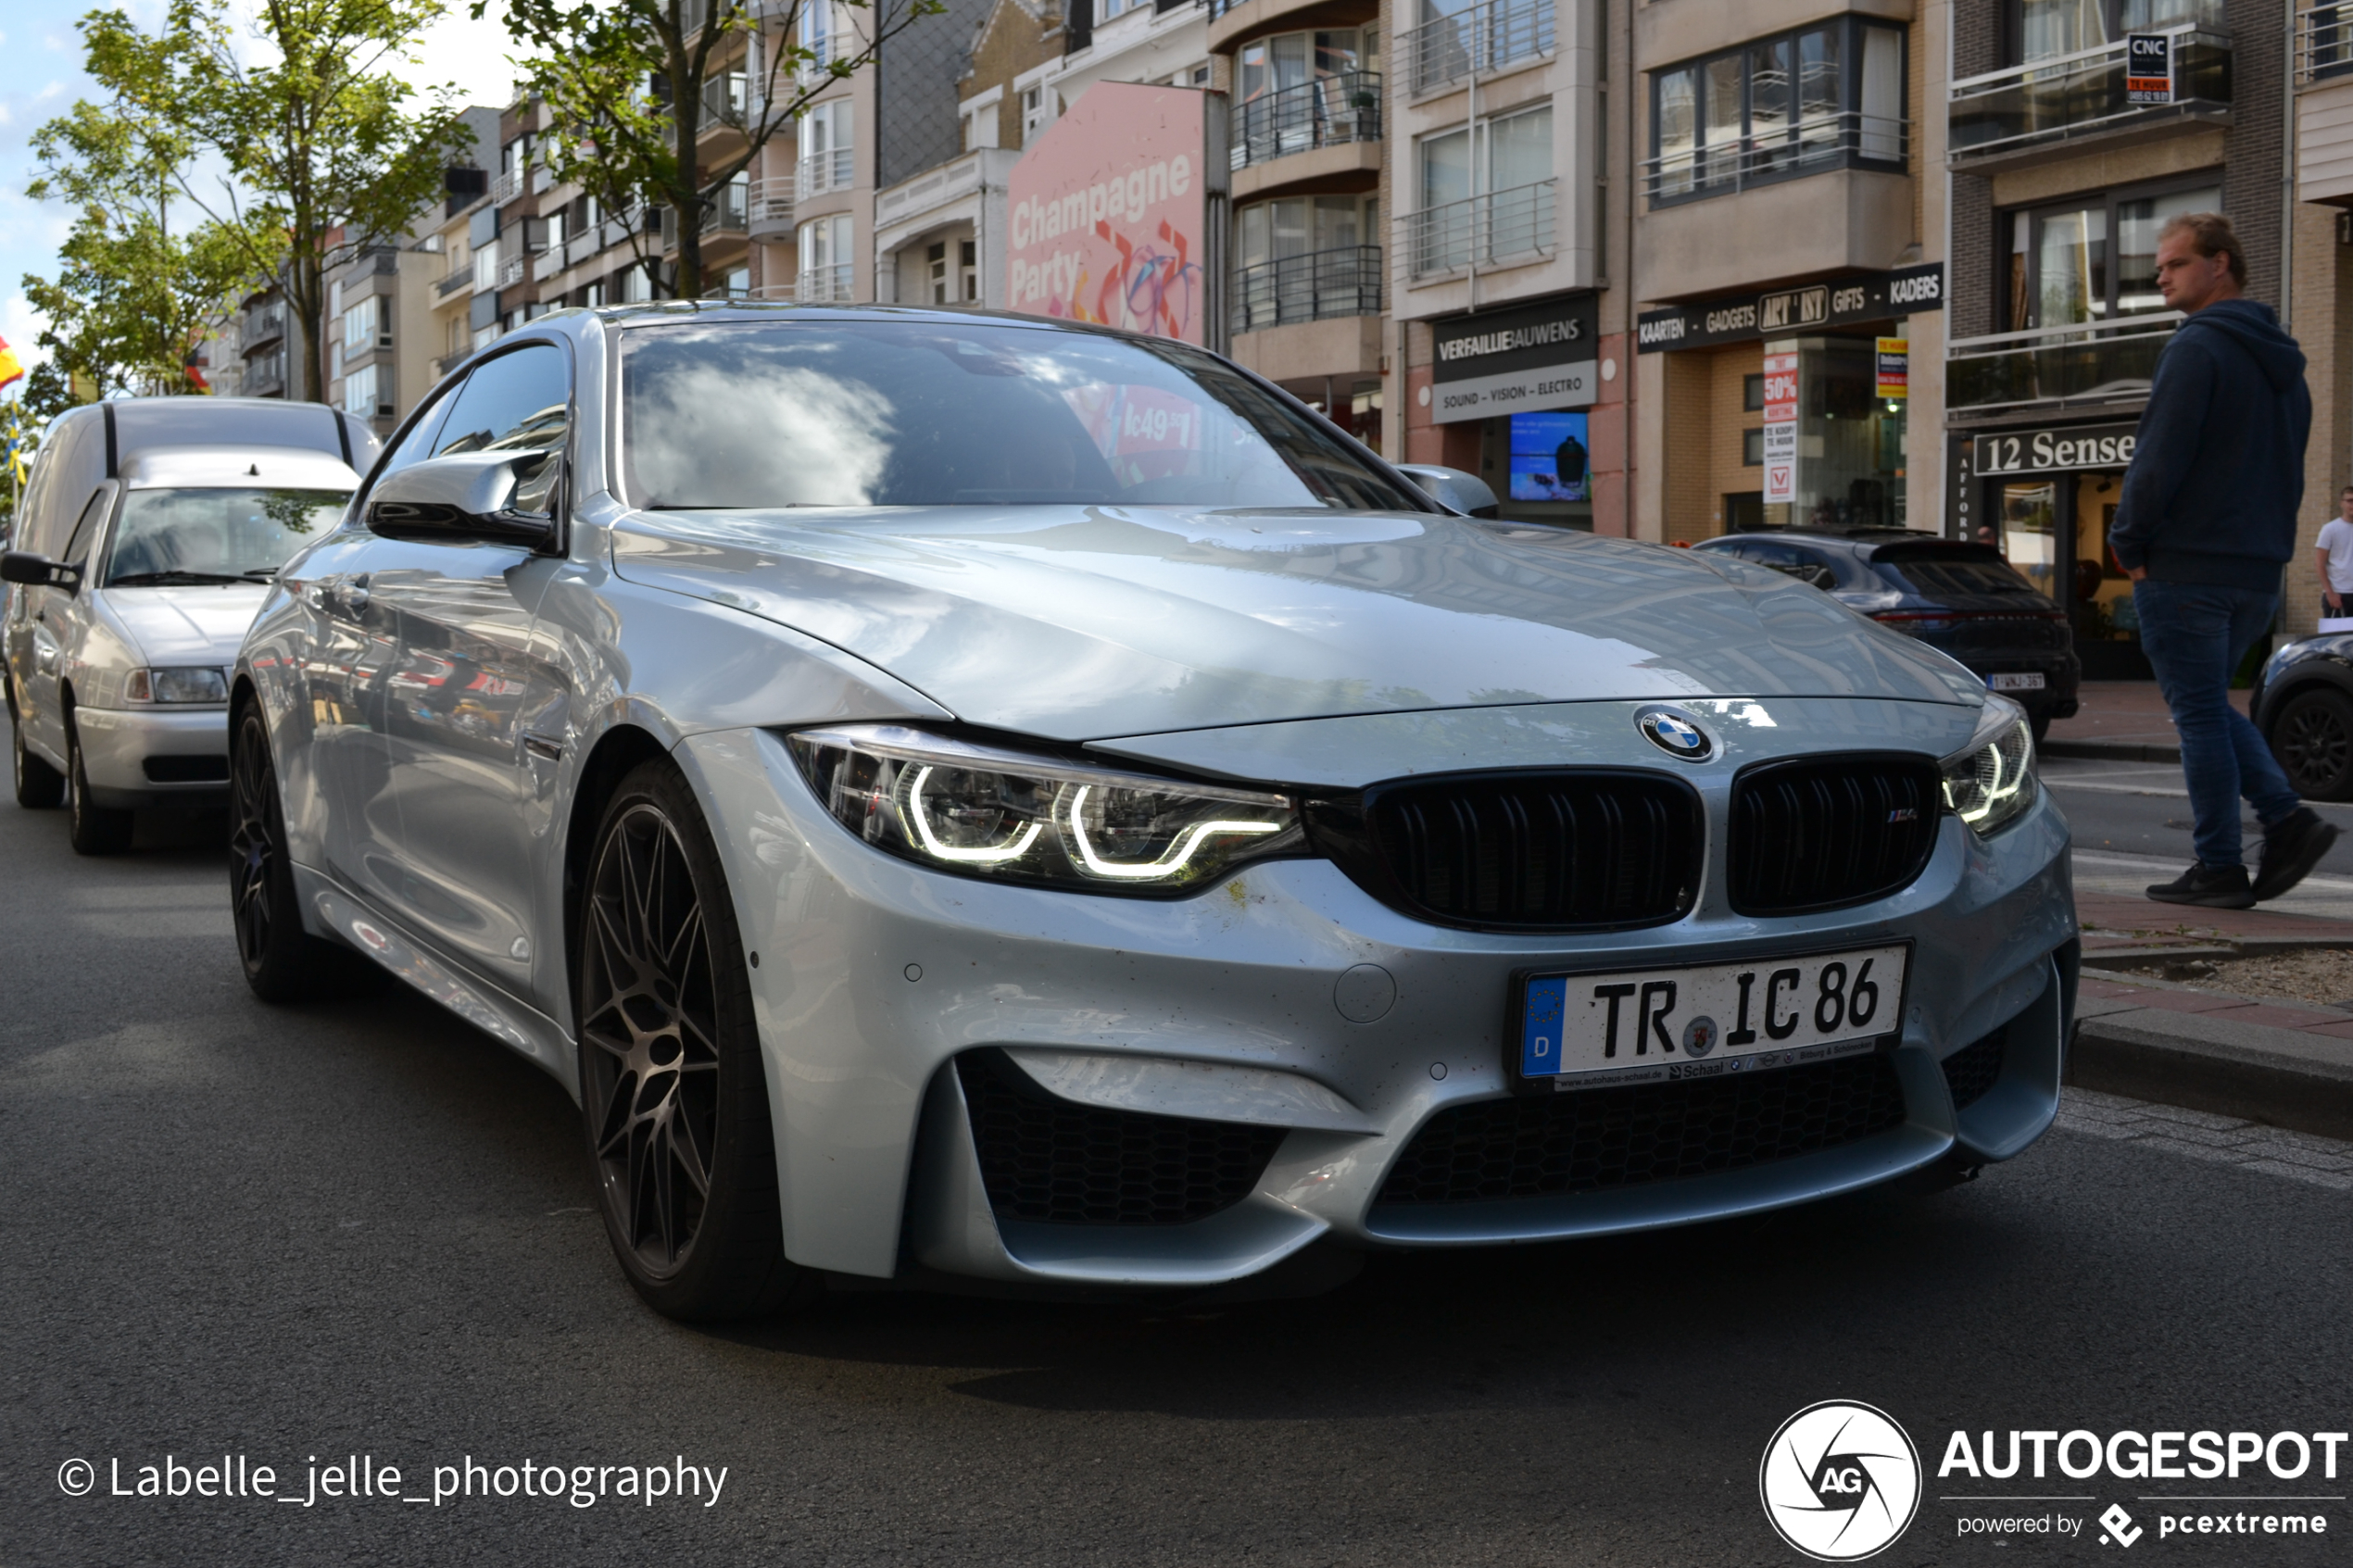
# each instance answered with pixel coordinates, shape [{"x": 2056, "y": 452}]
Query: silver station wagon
[
  {"x": 961, "y": 795},
  {"x": 152, "y": 527}
]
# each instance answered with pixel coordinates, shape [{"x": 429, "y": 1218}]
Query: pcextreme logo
[{"x": 1840, "y": 1481}]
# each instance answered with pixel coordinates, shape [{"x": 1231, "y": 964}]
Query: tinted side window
[
  {"x": 85, "y": 530},
  {"x": 418, "y": 444},
  {"x": 515, "y": 403}
]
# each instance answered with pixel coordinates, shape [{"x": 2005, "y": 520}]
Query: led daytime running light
[
  {"x": 985, "y": 856},
  {"x": 1179, "y": 853}
]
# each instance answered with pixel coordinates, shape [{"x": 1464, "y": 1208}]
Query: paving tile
[
  {"x": 2189, "y": 1001},
  {"x": 2336, "y": 1031},
  {"x": 2280, "y": 1017},
  {"x": 2109, "y": 988}
]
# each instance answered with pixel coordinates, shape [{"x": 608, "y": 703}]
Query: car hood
[
  {"x": 193, "y": 624},
  {"x": 1084, "y": 623}
]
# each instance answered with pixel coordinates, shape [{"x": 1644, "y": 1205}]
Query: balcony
[
  {"x": 769, "y": 213},
  {"x": 1506, "y": 226},
  {"x": 1478, "y": 40},
  {"x": 824, "y": 285},
  {"x": 726, "y": 211},
  {"x": 510, "y": 272},
  {"x": 1327, "y": 112},
  {"x": 507, "y": 187},
  {"x": 2086, "y": 362},
  {"x": 265, "y": 326},
  {"x": 2031, "y": 114},
  {"x": 2324, "y": 104},
  {"x": 772, "y": 294},
  {"x": 833, "y": 171},
  {"x": 1322, "y": 285},
  {"x": 1813, "y": 145},
  {"x": 461, "y": 277}
]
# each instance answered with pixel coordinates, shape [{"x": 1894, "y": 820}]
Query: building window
[
  {"x": 486, "y": 266},
  {"x": 1485, "y": 202},
  {"x": 827, "y": 247},
  {"x": 1305, "y": 259},
  {"x": 360, "y": 392},
  {"x": 1752, "y": 443},
  {"x": 980, "y": 126},
  {"x": 828, "y": 148},
  {"x": 1752, "y": 393},
  {"x": 2042, "y": 29},
  {"x": 367, "y": 325},
  {"x": 1037, "y": 112},
  {"x": 1829, "y": 96},
  {"x": 2093, "y": 259}
]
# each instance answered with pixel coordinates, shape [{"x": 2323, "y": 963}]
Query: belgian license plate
[
  {"x": 1701, "y": 1021},
  {"x": 2030, "y": 680}
]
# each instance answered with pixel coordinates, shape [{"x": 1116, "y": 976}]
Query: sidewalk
[
  {"x": 2125, "y": 721},
  {"x": 2287, "y": 1064}
]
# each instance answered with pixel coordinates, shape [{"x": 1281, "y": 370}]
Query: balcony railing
[
  {"x": 1813, "y": 145},
  {"x": 1323, "y": 113},
  {"x": 1507, "y": 225},
  {"x": 824, "y": 285},
  {"x": 507, "y": 187},
  {"x": 771, "y": 208},
  {"x": 461, "y": 277},
  {"x": 1322, "y": 285},
  {"x": 771, "y": 292},
  {"x": 726, "y": 210},
  {"x": 2080, "y": 362},
  {"x": 2080, "y": 94},
  {"x": 2323, "y": 43},
  {"x": 263, "y": 325},
  {"x": 834, "y": 171},
  {"x": 510, "y": 272},
  {"x": 724, "y": 100},
  {"x": 1477, "y": 40}
]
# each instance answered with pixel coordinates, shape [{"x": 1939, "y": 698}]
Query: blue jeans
[{"x": 2195, "y": 636}]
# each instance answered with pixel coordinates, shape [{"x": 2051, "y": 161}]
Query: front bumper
[
  {"x": 876, "y": 975},
  {"x": 152, "y": 757}
]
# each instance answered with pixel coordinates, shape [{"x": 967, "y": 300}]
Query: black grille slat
[
  {"x": 1971, "y": 1071},
  {"x": 1054, "y": 1162},
  {"x": 1595, "y": 1139},
  {"x": 1823, "y": 833},
  {"x": 1555, "y": 852},
  {"x": 186, "y": 769}
]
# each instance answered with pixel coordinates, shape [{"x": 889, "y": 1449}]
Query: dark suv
[{"x": 1961, "y": 599}]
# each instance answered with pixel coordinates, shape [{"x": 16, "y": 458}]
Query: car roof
[
  {"x": 277, "y": 468},
  {"x": 1874, "y": 544}
]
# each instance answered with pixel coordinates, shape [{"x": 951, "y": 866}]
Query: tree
[
  {"x": 625, "y": 85},
  {"x": 324, "y": 159},
  {"x": 144, "y": 281}
]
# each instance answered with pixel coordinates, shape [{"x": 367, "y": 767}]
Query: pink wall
[{"x": 1110, "y": 214}]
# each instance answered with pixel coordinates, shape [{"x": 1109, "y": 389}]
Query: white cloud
[{"x": 20, "y": 325}]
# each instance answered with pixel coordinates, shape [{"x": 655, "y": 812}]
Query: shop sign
[
  {"x": 1517, "y": 360},
  {"x": 1895, "y": 367},
  {"x": 1868, "y": 297},
  {"x": 2148, "y": 67},
  {"x": 2060, "y": 449}
]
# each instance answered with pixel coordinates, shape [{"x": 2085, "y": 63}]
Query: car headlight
[
  {"x": 1009, "y": 817},
  {"x": 198, "y": 684},
  {"x": 1993, "y": 781}
]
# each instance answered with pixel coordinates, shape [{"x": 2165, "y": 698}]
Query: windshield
[
  {"x": 919, "y": 413},
  {"x": 215, "y": 535}
]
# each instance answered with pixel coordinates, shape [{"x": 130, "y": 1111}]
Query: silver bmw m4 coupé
[{"x": 965, "y": 796}]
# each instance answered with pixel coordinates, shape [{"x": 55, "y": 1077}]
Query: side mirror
[
  {"x": 1465, "y": 493},
  {"x": 461, "y": 498},
  {"x": 37, "y": 571}
]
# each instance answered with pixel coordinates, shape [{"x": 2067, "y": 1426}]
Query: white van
[{"x": 150, "y": 531}]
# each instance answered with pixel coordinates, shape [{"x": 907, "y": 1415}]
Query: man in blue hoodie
[{"x": 2207, "y": 522}]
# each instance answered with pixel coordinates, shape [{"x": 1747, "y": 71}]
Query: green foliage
[
  {"x": 325, "y": 156},
  {"x": 45, "y": 396},
  {"x": 141, "y": 284},
  {"x": 623, "y": 81}
]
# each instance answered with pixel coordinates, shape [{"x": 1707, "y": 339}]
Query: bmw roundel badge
[{"x": 1675, "y": 733}]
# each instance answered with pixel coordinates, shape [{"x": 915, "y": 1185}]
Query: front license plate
[
  {"x": 2031, "y": 681},
  {"x": 1699, "y": 1021}
]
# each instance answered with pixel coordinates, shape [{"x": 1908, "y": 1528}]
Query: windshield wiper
[{"x": 173, "y": 578}]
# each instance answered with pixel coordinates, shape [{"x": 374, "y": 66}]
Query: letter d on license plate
[{"x": 1697, "y": 1021}]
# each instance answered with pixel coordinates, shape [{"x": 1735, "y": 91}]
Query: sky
[{"x": 42, "y": 49}]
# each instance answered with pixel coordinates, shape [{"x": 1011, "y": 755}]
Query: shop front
[
  {"x": 1789, "y": 409},
  {"x": 1523, "y": 379},
  {"x": 2046, "y": 495}
]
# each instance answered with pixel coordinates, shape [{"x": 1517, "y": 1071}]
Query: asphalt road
[
  {"x": 363, "y": 1229},
  {"x": 2143, "y": 808}
]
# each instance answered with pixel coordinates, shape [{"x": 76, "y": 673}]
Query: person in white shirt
[{"x": 2334, "y": 556}]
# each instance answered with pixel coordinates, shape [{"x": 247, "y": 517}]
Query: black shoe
[
  {"x": 2292, "y": 846},
  {"x": 2212, "y": 887}
]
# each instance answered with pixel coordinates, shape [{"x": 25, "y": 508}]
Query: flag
[
  {"x": 11, "y": 368},
  {"x": 195, "y": 379}
]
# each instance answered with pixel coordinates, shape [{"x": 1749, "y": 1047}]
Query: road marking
[
  {"x": 2220, "y": 1140},
  {"x": 2128, "y": 876}
]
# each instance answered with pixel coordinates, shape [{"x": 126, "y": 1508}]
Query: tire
[
  {"x": 39, "y": 787},
  {"x": 2312, "y": 737},
  {"x": 92, "y": 830},
  {"x": 283, "y": 963},
  {"x": 674, "y": 1100},
  {"x": 2040, "y": 723}
]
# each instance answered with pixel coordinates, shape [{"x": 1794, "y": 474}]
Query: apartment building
[
  {"x": 2061, "y": 175},
  {"x": 1507, "y": 343},
  {"x": 1309, "y": 167},
  {"x": 1790, "y": 253}
]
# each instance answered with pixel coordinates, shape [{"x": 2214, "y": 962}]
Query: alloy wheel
[
  {"x": 649, "y": 1025},
  {"x": 253, "y": 845},
  {"x": 2316, "y": 746}
]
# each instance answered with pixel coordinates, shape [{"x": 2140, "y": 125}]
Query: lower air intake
[
  {"x": 1595, "y": 1139},
  {"x": 1048, "y": 1160},
  {"x": 1971, "y": 1073}
]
